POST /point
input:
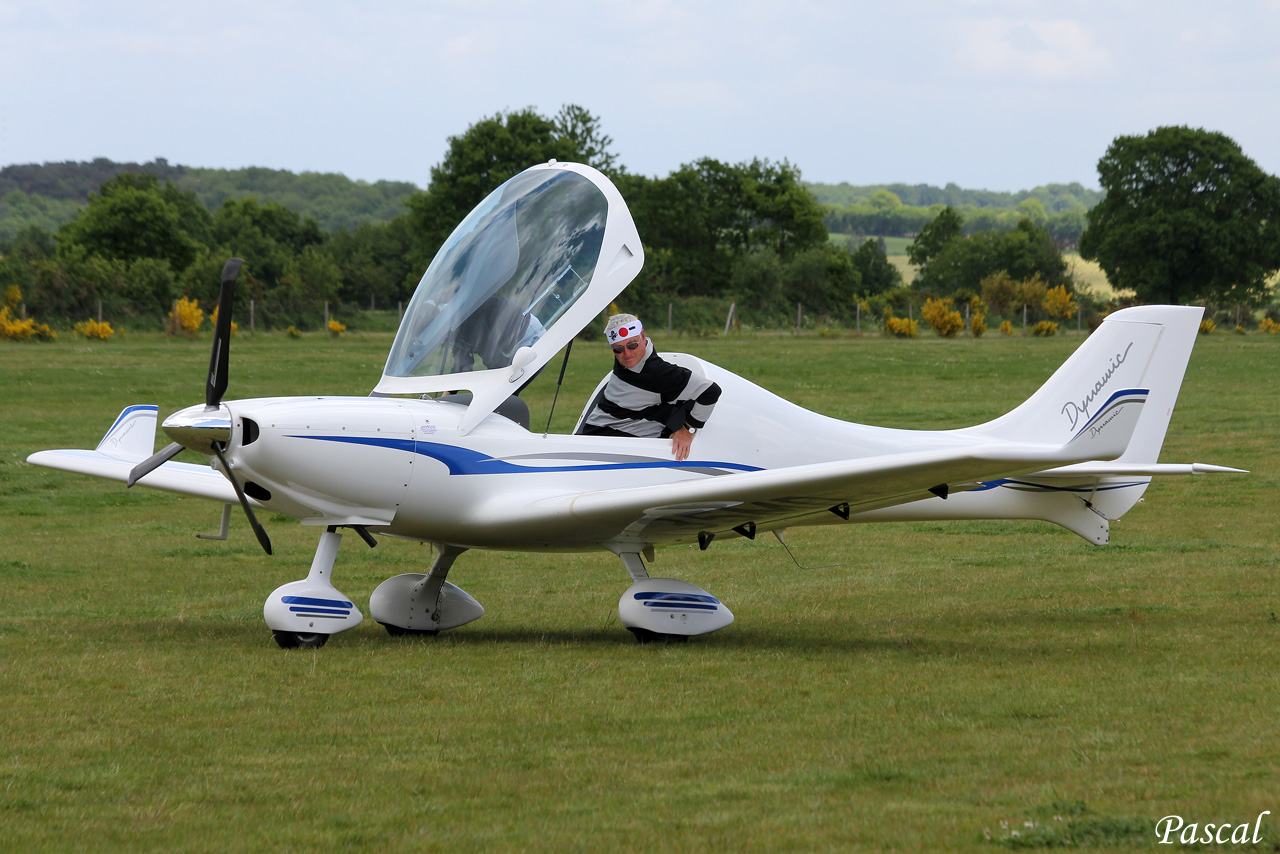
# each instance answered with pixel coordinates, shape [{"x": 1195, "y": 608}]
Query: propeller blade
[
  {"x": 218, "y": 359},
  {"x": 244, "y": 502},
  {"x": 153, "y": 462}
]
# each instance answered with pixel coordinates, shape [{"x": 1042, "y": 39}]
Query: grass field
[{"x": 947, "y": 687}]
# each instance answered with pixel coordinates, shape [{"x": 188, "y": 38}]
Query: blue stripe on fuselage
[{"x": 463, "y": 461}]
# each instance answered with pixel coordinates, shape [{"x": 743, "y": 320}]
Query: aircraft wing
[{"x": 746, "y": 502}]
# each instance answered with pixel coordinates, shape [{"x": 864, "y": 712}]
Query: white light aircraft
[{"x": 537, "y": 261}]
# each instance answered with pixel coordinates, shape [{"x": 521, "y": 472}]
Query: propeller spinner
[{"x": 207, "y": 429}]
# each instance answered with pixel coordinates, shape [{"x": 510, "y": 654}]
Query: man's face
[{"x": 629, "y": 358}]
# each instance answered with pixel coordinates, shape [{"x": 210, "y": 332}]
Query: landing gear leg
[{"x": 416, "y": 604}]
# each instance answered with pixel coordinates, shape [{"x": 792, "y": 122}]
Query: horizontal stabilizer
[
  {"x": 129, "y": 441},
  {"x": 183, "y": 478}
]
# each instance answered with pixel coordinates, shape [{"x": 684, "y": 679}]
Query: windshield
[{"x": 504, "y": 276}]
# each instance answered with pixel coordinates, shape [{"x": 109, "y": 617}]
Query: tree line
[
  {"x": 711, "y": 230},
  {"x": 50, "y": 194},
  {"x": 750, "y": 234},
  {"x": 884, "y": 214}
]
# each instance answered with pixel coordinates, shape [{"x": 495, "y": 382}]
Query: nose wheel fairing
[{"x": 304, "y": 613}]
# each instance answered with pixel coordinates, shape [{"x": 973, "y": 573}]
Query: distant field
[
  {"x": 922, "y": 687},
  {"x": 1087, "y": 274}
]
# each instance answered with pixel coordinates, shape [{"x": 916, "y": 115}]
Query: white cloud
[{"x": 1052, "y": 51}]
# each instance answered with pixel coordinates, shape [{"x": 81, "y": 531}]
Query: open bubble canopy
[{"x": 532, "y": 264}]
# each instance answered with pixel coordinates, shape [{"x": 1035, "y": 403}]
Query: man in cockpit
[
  {"x": 647, "y": 396},
  {"x": 494, "y": 332}
]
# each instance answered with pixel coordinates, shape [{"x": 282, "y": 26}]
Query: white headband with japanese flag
[{"x": 623, "y": 327}]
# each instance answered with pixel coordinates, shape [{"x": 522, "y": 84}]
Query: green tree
[
  {"x": 375, "y": 262},
  {"x": 1187, "y": 216},
  {"x": 267, "y": 235},
  {"x": 875, "y": 272},
  {"x": 936, "y": 234},
  {"x": 593, "y": 145},
  {"x": 710, "y": 214},
  {"x": 478, "y": 162},
  {"x": 132, "y": 216},
  {"x": 757, "y": 281},
  {"x": 311, "y": 278},
  {"x": 1024, "y": 252},
  {"x": 823, "y": 280}
]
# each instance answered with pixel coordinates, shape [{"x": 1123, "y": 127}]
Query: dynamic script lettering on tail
[{"x": 1074, "y": 411}]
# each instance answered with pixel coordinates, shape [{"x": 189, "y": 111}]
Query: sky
[{"x": 1001, "y": 95}]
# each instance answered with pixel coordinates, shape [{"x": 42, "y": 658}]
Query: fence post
[
  {"x": 399, "y": 312},
  {"x": 966, "y": 318},
  {"x": 729, "y": 318},
  {"x": 799, "y": 317},
  {"x": 669, "y": 309},
  {"x": 1077, "y": 319},
  {"x": 99, "y": 309},
  {"x": 326, "y": 315},
  {"x": 859, "y": 317},
  {"x": 251, "y": 327},
  {"x": 1024, "y": 318}
]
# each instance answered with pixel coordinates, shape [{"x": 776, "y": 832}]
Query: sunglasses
[{"x": 630, "y": 345}]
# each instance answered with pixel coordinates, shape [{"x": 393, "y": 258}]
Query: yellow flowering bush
[
  {"x": 902, "y": 327},
  {"x": 1207, "y": 326},
  {"x": 1058, "y": 303},
  {"x": 186, "y": 317},
  {"x": 1044, "y": 329},
  {"x": 336, "y": 328},
  {"x": 1269, "y": 326},
  {"x": 977, "y": 325},
  {"x": 1006, "y": 328},
  {"x": 91, "y": 329},
  {"x": 940, "y": 314},
  {"x": 16, "y": 329},
  {"x": 293, "y": 332}
]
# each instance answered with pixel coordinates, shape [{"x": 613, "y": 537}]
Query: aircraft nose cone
[{"x": 198, "y": 427}]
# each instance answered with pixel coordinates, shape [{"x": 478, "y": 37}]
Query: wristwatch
[{"x": 691, "y": 430}]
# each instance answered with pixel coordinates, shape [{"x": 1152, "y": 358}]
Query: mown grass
[{"x": 945, "y": 679}]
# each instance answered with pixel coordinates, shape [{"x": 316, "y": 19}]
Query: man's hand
[{"x": 681, "y": 441}]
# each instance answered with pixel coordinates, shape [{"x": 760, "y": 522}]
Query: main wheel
[
  {"x": 646, "y": 636},
  {"x": 303, "y": 640}
]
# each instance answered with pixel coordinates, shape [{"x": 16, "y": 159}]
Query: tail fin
[
  {"x": 1138, "y": 355},
  {"x": 132, "y": 437},
  {"x": 1137, "y": 350},
  {"x": 1121, "y": 384}
]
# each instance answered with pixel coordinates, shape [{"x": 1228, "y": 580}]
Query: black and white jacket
[{"x": 651, "y": 400}]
